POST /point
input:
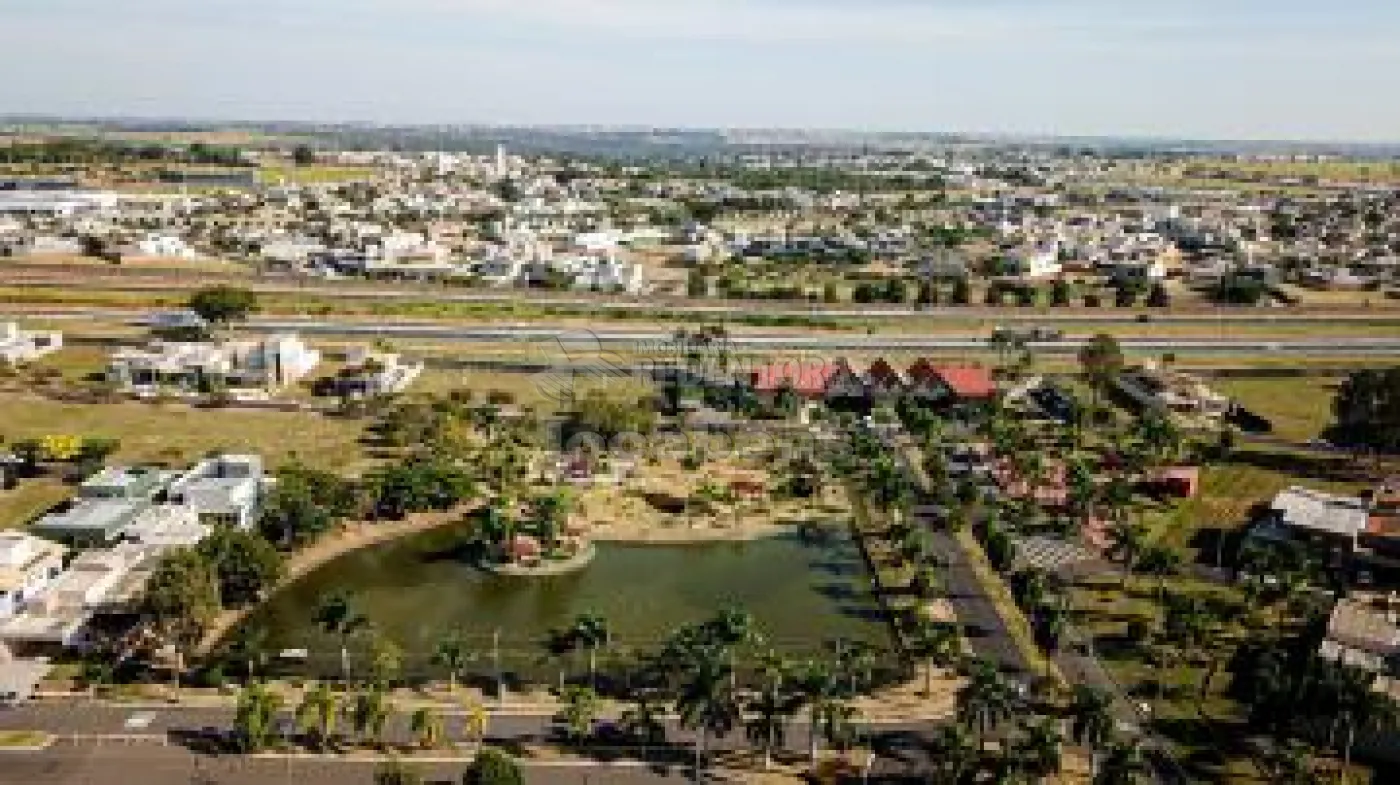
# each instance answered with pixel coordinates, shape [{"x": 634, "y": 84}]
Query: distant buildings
[{"x": 21, "y": 346}]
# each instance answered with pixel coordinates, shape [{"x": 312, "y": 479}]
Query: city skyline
[{"x": 1284, "y": 70}]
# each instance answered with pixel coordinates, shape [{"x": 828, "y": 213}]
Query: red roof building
[
  {"x": 809, "y": 379},
  {"x": 961, "y": 382}
]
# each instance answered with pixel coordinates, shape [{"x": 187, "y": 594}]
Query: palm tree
[
  {"x": 707, "y": 704},
  {"x": 590, "y": 630},
  {"x": 1041, "y": 749},
  {"x": 474, "y": 721},
  {"x": 939, "y": 644},
  {"x": 730, "y": 629},
  {"x": 369, "y": 713},
  {"x": 452, "y": 655},
  {"x": 837, "y": 720},
  {"x": 317, "y": 712},
  {"x": 580, "y": 710},
  {"x": 426, "y": 727},
  {"x": 771, "y": 709},
  {"x": 817, "y": 687},
  {"x": 1126, "y": 542},
  {"x": 256, "y": 717},
  {"x": 987, "y": 699},
  {"x": 1091, "y": 721},
  {"x": 643, "y": 721},
  {"x": 1121, "y": 766},
  {"x": 953, "y": 755},
  {"x": 336, "y": 615}
]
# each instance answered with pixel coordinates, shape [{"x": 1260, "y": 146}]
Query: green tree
[
  {"x": 1123, "y": 765},
  {"x": 426, "y": 727},
  {"x": 246, "y": 564},
  {"x": 1091, "y": 720},
  {"x": 643, "y": 721},
  {"x": 182, "y": 598},
  {"x": 590, "y": 631},
  {"x": 707, "y": 704},
  {"x": 770, "y": 710},
  {"x": 337, "y": 615},
  {"x": 223, "y": 305},
  {"x": 317, "y": 713},
  {"x": 938, "y": 644},
  {"x": 581, "y": 706},
  {"x": 452, "y": 655},
  {"x": 1100, "y": 361},
  {"x": 953, "y": 755},
  {"x": 493, "y": 767},
  {"x": 256, "y": 717},
  {"x": 986, "y": 700},
  {"x": 395, "y": 772},
  {"x": 369, "y": 713},
  {"x": 303, "y": 155},
  {"x": 1367, "y": 410}
]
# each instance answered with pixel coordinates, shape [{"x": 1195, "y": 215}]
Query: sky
[{"x": 1216, "y": 69}]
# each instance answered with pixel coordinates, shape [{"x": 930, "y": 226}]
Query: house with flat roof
[
  {"x": 246, "y": 369},
  {"x": 96, "y": 582},
  {"x": 89, "y": 523},
  {"x": 28, "y": 564},
  {"x": 368, "y": 374},
  {"x": 224, "y": 490},
  {"x": 1315, "y": 516},
  {"x": 21, "y": 346}
]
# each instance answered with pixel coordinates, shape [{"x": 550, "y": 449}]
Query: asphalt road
[
  {"x": 164, "y": 281},
  {"x": 557, "y": 341}
]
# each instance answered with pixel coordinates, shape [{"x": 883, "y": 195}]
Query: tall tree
[
  {"x": 222, "y": 305},
  {"x": 182, "y": 598},
  {"x": 452, "y": 655},
  {"x": 256, "y": 717},
  {"x": 1091, "y": 720},
  {"x": 707, "y": 704},
  {"x": 337, "y": 615},
  {"x": 317, "y": 713},
  {"x": 1101, "y": 360},
  {"x": 246, "y": 564}
]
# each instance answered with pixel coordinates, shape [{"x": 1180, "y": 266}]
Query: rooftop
[{"x": 1305, "y": 508}]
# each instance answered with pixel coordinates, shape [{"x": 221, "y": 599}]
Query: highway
[
  {"x": 643, "y": 339},
  {"x": 1381, "y": 311}
]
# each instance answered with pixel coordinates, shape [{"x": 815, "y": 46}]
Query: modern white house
[
  {"x": 28, "y": 564},
  {"x": 246, "y": 369},
  {"x": 225, "y": 490},
  {"x": 96, "y": 582},
  {"x": 21, "y": 346}
]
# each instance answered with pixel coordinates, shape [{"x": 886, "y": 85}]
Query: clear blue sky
[{"x": 1301, "y": 69}]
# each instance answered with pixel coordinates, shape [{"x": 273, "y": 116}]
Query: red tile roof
[
  {"x": 805, "y": 378},
  {"x": 967, "y": 381}
]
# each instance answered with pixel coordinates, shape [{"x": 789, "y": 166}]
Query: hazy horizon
[{"x": 1246, "y": 70}]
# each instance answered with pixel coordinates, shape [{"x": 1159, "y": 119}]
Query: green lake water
[{"x": 418, "y": 590}]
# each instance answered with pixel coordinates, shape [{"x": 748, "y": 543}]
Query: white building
[
  {"x": 246, "y": 369},
  {"x": 28, "y": 564},
  {"x": 95, "y": 582},
  {"x": 225, "y": 490},
  {"x": 165, "y": 246},
  {"x": 21, "y": 346}
]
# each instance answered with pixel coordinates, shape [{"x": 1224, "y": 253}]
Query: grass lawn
[
  {"x": 24, "y": 738},
  {"x": 178, "y": 434},
  {"x": 31, "y": 499},
  {"x": 1228, "y": 491},
  {"x": 1298, "y": 407}
]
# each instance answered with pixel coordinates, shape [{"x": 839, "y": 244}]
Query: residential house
[
  {"x": 1170, "y": 392},
  {"x": 224, "y": 490},
  {"x": 28, "y": 564},
  {"x": 955, "y": 384},
  {"x": 1329, "y": 520},
  {"x": 1363, "y": 635},
  {"x": 96, "y": 582},
  {"x": 246, "y": 369},
  {"x": 105, "y": 506},
  {"x": 21, "y": 346}
]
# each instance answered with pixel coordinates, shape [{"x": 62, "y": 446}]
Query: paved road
[
  {"x": 583, "y": 302},
  {"x": 556, "y": 339},
  {"x": 153, "y": 764}
]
